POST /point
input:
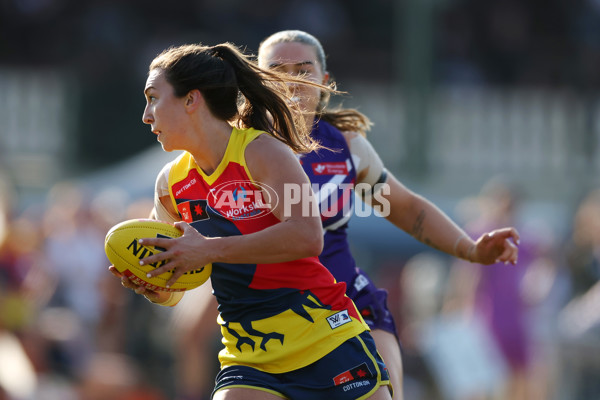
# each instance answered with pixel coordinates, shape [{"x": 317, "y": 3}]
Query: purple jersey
[{"x": 332, "y": 173}]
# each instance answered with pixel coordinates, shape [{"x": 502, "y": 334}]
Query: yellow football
[{"x": 124, "y": 251}]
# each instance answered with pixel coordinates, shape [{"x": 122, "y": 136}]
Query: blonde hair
[{"x": 345, "y": 119}]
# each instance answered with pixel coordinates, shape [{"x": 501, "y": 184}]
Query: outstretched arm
[
  {"x": 427, "y": 223},
  {"x": 421, "y": 218}
]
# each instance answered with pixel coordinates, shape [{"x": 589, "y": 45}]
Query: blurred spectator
[
  {"x": 114, "y": 376},
  {"x": 74, "y": 250},
  {"x": 460, "y": 350},
  {"x": 62, "y": 317},
  {"x": 421, "y": 285},
  {"x": 144, "y": 327},
  {"x": 580, "y": 319},
  {"x": 499, "y": 295},
  {"x": 488, "y": 332},
  {"x": 18, "y": 246},
  {"x": 583, "y": 247},
  {"x": 545, "y": 289},
  {"x": 196, "y": 335}
]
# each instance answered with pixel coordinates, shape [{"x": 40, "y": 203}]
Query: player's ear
[
  {"x": 325, "y": 78},
  {"x": 193, "y": 99}
]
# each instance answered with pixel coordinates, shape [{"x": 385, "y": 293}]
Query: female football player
[
  {"x": 347, "y": 159},
  {"x": 288, "y": 329}
]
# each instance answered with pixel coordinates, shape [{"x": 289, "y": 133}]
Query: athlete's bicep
[{"x": 274, "y": 164}]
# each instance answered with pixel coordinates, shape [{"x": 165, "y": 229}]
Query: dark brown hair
[{"x": 237, "y": 90}]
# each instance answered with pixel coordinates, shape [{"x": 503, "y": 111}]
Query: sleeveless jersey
[
  {"x": 332, "y": 173},
  {"x": 274, "y": 317}
]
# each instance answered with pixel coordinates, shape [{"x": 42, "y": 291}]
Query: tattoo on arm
[{"x": 418, "y": 228}]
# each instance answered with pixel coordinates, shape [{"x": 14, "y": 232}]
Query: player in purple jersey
[{"x": 353, "y": 163}]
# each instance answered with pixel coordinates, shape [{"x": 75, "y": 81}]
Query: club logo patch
[
  {"x": 193, "y": 210},
  {"x": 360, "y": 372}
]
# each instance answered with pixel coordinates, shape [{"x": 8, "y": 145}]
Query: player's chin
[{"x": 165, "y": 146}]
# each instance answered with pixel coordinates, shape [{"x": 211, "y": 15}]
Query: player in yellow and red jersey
[{"x": 246, "y": 206}]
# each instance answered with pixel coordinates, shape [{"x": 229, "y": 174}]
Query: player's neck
[{"x": 210, "y": 150}]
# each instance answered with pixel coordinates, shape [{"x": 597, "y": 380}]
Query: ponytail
[
  {"x": 263, "y": 102},
  {"x": 237, "y": 90},
  {"x": 347, "y": 120}
]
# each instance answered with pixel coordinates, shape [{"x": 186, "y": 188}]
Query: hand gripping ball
[{"x": 124, "y": 251}]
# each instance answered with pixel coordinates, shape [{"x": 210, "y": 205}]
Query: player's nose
[{"x": 147, "y": 117}]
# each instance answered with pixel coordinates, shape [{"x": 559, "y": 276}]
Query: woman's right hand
[{"x": 151, "y": 295}]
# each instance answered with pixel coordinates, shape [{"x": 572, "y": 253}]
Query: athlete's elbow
[
  {"x": 306, "y": 239},
  {"x": 314, "y": 246}
]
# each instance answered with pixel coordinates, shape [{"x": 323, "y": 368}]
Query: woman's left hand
[{"x": 499, "y": 245}]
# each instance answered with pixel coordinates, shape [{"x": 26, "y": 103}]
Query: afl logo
[{"x": 242, "y": 199}]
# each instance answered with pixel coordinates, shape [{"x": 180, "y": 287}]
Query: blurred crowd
[
  {"x": 64, "y": 331},
  {"x": 68, "y": 330}
]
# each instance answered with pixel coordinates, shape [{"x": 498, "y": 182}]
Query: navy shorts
[
  {"x": 372, "y": 303},
  {"x": 354, "y": 370}
]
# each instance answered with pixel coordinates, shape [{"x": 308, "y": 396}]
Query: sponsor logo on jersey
[
  {"x": 359, "y": 374},
  {"x": 330, "y": 168},
  {"x": 360, "y": 282},
  {"x": 242, "y": 199},
  {"x": 185, "y": 187},
  {"x": 338, "y": 319},
  {"x": 193, "y": 210}
]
